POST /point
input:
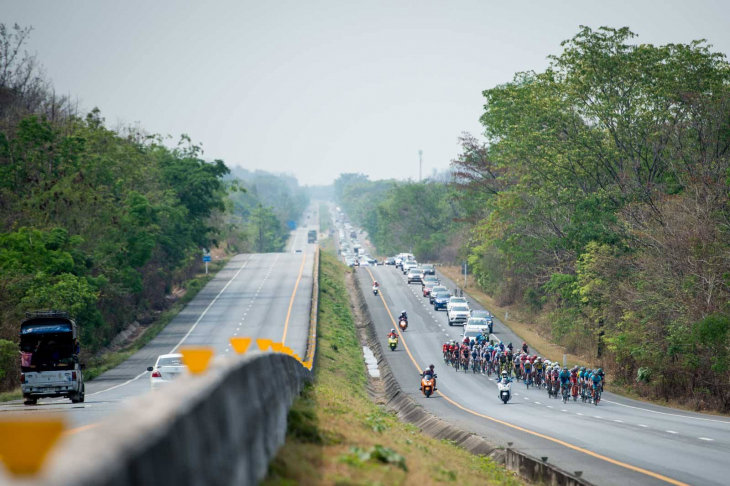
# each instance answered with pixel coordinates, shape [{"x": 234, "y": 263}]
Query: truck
[
  {"x": 49, "y": 357},
  {"x": 312, "y": 236}
]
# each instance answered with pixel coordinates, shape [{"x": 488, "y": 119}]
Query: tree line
[
  {"x": 597, "y": 202},
  {"x": 105, "y": 223}
]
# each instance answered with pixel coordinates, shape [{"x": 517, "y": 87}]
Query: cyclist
[
  {"x": 596, "y": 380},
  {"x": 524, "y": 347},
  {"x": 528, "y": 372},
  {"x": 445, "y": 350}
]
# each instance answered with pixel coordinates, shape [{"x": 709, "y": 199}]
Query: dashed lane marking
[
  {"x": 522, "y": 429},
  {"x": 705, "y": 438},
  {"x": 672, "y": 432}
]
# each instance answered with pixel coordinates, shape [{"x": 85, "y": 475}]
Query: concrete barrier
[
  {"x": 536, "y": 471},
  {"x": 219, "y": 428}
]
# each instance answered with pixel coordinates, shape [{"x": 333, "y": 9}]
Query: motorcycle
[
  {"x": 427, "y": 384},
  {"x": 403, "y": 324},
  {"x": 375, "y": 290},
  {"x": 505, "y": 391},
  {"x": 393, "y": 343}
]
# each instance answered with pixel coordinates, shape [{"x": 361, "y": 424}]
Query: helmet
[
  {"x": 430, "y": 367},
  {"x": 535, "y": 357},
  {"x": 504, "y": 373},
  {"x": 392, "y": 330},
  {"x": 600, "y": 371},
  {"x": 403, "y": 312},
  {"x": 582, "y": 368},
  {"x": 524, "y": 343}
]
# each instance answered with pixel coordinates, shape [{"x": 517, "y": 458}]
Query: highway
[
  {"x": 263, "y": 295},
  {"x": 620, "y": 441}
]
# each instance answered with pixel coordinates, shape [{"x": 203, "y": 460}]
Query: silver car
[{"x": 168, "y": 368}]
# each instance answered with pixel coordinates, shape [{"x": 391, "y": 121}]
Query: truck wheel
[
  {"x": 30, "y": 401},
  {"x": 78, "y": 397}
]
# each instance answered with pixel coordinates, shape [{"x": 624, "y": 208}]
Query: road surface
[
  {"x": 256, "y": 295},
  {"x": 618, "y": 442}
]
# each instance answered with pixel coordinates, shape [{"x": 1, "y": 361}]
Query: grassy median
[{"x": 338, "y": 435}]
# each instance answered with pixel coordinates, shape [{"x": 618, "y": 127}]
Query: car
[
  {"x": 457, "y": 314},
  {"x": 428, "y": 269},
  {"x": 408, "y": 265},
  {"x": 436, "y": 290},
  {"x": 479, "y": 323},
  {"x": 441, "y": 300},
  {"x": 167, "y": 368},
  {"x": 472, "y": 334},
  {"x": 458, "y": 300},
  {"x": 427, "y": 284},
  {"x": 364, "y": 263},
  {"x": 389, "y": 261},
  {"x": 415, "y": 275}
]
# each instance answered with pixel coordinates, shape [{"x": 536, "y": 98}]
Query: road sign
[{"x": 206, "y": 258}]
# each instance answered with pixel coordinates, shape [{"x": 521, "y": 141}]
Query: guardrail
[{"x": 219, "y": 427}]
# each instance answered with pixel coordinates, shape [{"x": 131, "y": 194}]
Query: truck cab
[{"x": 49, "y": 350}]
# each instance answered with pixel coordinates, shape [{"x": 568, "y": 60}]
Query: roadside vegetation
[
  {"x": 338, "y": 435},
  {"x": 110, "y": 224},
  {"x": 596, "y": 206}
]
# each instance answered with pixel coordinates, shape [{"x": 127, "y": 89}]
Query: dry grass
[{"x": 335, "y": 423}]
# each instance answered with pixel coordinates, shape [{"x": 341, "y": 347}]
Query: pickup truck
[
  {"x": 415, "y": 275},
  {"x": 49, "y": 364},
  {"x": 457, "y": 314}
]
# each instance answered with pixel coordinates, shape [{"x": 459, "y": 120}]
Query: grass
[
  {"x": 338, "y": 435},
  {"x": 98, "y": 365}
]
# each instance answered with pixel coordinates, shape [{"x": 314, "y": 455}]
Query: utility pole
[{"x": 420, "y": 164}]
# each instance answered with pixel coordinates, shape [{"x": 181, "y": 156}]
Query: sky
[{"x": 317, "y": 88}]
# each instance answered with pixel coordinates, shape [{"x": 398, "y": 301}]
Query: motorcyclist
[
  {"x": 403, "y": 316},
  {"x": 432, "y": 372},
  {"x": 505, "y": 378},
  {"x": 376, "y": 284}
]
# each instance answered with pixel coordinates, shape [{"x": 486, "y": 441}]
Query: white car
[
  {"x": 410, "y": 264},
  {"x": 458, "y": 314},
  {"x": 167, "y": 368},
  {"x": 457, "y": 301}
]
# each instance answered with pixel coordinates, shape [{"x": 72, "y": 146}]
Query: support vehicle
[{"x": 49, "y": 364}]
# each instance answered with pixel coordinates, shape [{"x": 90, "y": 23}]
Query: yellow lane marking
[
  {"x": 522, "y": 429},
  {"x": 291, "y": 302},
  {"x": 77, "y": 430}
]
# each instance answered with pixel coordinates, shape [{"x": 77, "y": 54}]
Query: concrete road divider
[{"x": 219, "y": 428}]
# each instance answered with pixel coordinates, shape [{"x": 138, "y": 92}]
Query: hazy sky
[{"x": 316, "y": 88}]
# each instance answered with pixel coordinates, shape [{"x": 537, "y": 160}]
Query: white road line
[
  {"x": 563, "y": 410},
  {"x": 578, "y": 413},
  {"x": 525, "y": 398},
  {"x": 549, "y": 406},
  {"x": 119, "y": 385},
  {"x": 705, "y": 438},
  {"x": 619, "y": 421},
  {"x": 538, "y": 403},
  {"x": 672, "y": 432},
  {"x": 209, "y": 306},
  {"x": 596, "y": 416},
  {"x": 666, "y": 413},
  {"x": 642, "y": 425}
]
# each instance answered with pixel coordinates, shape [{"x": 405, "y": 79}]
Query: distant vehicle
[
  {"x": 436, "y": 290},
  {"x": 479, "y": 324},
  {"x": 427, "y": 284},
  {"x": 484, "y": 314},
  {"x": 297, "y": 251},
  {"x": 457, "y": 314},
  {"x": 410, "y": 264},
  {"x": 389, "y": 261},
  {"x": 312, "y": 236},
  {"x": 441, "y": 300},
  {"x": 428, "y": 269},
  {"x": 168, "y": 367},
  {"x": 353, "y": 234},
  {"x": 49, "y": 357},
  {"x": 458, "y": 300},
  {"x": 415, "y": 275}
]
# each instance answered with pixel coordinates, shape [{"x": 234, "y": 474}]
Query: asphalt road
[
  {"x": 265, "y": 295},
  {"x": 618, "y": 442}
]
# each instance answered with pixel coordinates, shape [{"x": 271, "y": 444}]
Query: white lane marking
[
  {"x": 209, "y": 306},
  {"x": 642, "y": 425},
  {"x": 538, "y": 403},
  {"x": 705, "y": 438},
  {"x": 671, "y": 414},
  {"x": 525, "y": 398},
  {"x": 121, "y": 384},
  {"x": 597, "y": 416},
  {"x": 578, "y": 413},
  {"x": 563, "y": 410},
  {"x": 619, "y": 421},
  {"x": 672, "y": 432}
]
